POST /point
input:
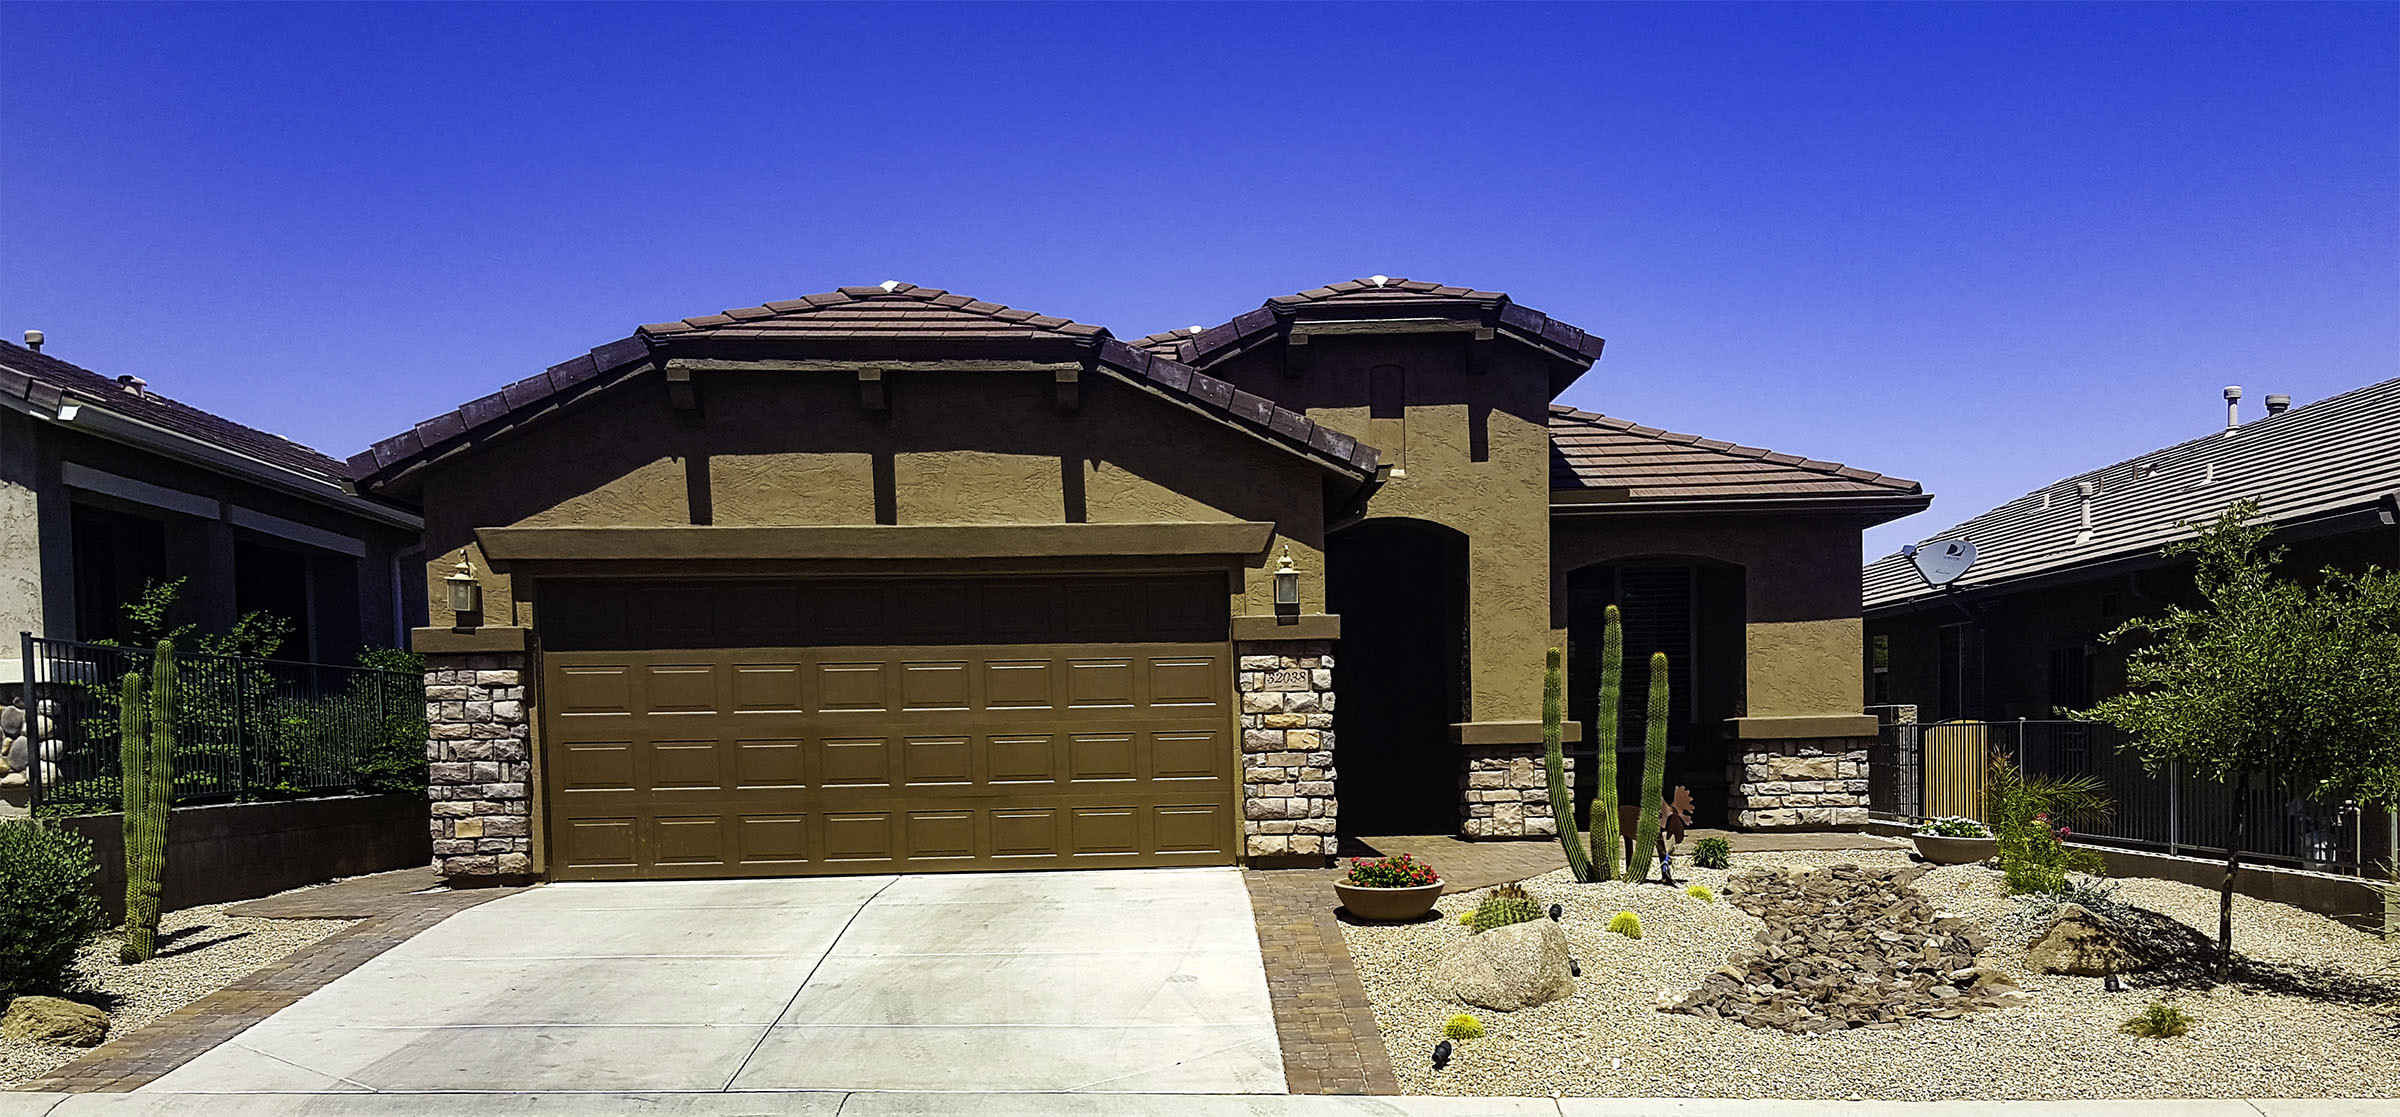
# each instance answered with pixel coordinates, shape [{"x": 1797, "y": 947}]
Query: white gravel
[
  {"x": 1609, "y": 1040},
  {"x": 201, "y": 950}
]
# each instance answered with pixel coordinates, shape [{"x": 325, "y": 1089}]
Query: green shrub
[
  {"x": 1701, "y": 893},
  {"x": 47, "y": 909},
  {"x": 395, "y": 760},
  {"x": 1712, "y": 853},
  {"x": 1401, "y": 871},
  {"x": 2029, "y": 816},
  {"x": 1627, "y": 924},
  {"x": 1505, "y": 905},
  {"x": 2159, "y": 1021},
  {"x": 1462, "y": 1026}
]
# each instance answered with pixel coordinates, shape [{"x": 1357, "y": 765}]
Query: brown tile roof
[
  {"x": 1378, "y": 297},
  {"x": 902, "y": 314},
  {"x": 46, "y": 380},
  {"x": 1619, "y": 460},
  {"x": 902, "y": 311}
]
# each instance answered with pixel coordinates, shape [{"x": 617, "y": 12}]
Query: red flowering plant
[{"x": 1401, "y": 871}]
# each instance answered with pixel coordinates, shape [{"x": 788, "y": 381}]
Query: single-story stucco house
[{"x": 892, "y": 579}]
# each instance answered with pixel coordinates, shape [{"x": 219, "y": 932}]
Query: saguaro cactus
[
  {"x": 1608, "y": 858},
  {"x": 1654, "y": 772},
  {"x": 1562, "y": 799},
  {"x": 146, "y": 751}
]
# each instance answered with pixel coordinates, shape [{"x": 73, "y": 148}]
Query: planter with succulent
[
  {"x": 1951, "y": 840},
  {"x": 1389, "y": 889}
]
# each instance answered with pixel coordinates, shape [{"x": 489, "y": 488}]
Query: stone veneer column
[
  {"x": 1286, "y": 689},
  {"x": 1504, "y": 792},
  {"x": 479, "y": 751},
  {"x": 1807, "y": 784}
]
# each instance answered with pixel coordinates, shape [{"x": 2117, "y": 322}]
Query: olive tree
[{"x": 2266, "y": 679}]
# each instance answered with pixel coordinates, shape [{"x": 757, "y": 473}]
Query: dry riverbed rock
[
  {"x": 1847, "y": 947},
  {"x": 1509, "y": 968},
  {"x": 60, "y": 1023}
]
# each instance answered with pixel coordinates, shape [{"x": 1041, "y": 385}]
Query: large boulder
[
  {"x": 60, "y": 1023},
  {"x": 2079, "y": 942},
  {"x": 1509, "y": 968}
]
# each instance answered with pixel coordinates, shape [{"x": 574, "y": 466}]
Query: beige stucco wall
[
  {"x": 797, "y": 449},
  {"x": 20, "y": 539},
  {"x": 1502, "y": 503},
  {"x": 1805, "y": 668}
]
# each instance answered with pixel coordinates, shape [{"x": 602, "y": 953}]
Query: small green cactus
[
  {"x": 1712, "y": 853},
  {"x": 1505, "y": 905},
  {"x": 1701, "y": 893},
  {"x": 1608, "y": 855},
  {"x": 146, "y": 753},
  {"x": 1627, "y": 924},
  {"x": 1462, "y": 1026},
  {"x": 1467, "y": 918}
]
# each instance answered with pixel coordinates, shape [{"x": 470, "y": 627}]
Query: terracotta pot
[
  {"x": 1955, "y": 851},
  {"x": 1387, "y": 905}
]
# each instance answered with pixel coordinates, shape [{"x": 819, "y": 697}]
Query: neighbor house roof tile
[
  {"x": 45, "y": 376},
  {"x": 1590, "y": 452}
]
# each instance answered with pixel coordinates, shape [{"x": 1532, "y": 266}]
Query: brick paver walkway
[
  {"x": 170, "y": 1041},
  {"x": 1330, "y": 1042}
]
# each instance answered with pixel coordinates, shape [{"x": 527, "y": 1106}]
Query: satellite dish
[{"x": 1942, "y": 561}]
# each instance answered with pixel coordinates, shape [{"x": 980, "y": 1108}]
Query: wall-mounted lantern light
[
  {"x": 1287, "y": 580},
  {"x": 466, "y": 596}
]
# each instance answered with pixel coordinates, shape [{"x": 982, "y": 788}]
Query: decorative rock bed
[
  {"x": 1610, "y": 1037},
  {"x": 1846, "y": 947}
]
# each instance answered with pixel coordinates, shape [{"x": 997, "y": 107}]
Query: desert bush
[
  {"x": 2159, "y": 1021},
  {"x": 47, "y": 908},
  {"x": 2029, "y": 815},
  {"x": 1712, "y": 853},
  {"x": 1462, "y": 1026},
  {"x": 1627, "y": 924},
  {"x": 2035, "y": 910},
  {"x": 1505, "y": 905}
]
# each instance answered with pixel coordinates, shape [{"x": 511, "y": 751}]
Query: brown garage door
[{"x": 778, "y": 728}]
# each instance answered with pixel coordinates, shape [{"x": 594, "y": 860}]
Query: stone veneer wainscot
[
  {"x": 1806, "y": 784},
  {"x": 1504, "y": 792},
  {"x": 479, "y": 753},
  {"x": 1286, "y": 690}
]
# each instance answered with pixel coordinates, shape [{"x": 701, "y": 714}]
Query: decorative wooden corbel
[
  {"x": 872, "y": 393},
  {"x": 1069, "y": 383},
  {"x": 1479, "y": 352},
  {"x": 1295, "y": 353},
  {"x": 683, "y": 393}
]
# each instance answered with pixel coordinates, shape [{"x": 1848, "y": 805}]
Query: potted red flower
[{"x": 1389, "y": 889}]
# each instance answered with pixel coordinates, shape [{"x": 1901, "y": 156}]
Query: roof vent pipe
[
  {"x": 2278, "y": 404},
  {"x": 133, "y": 385},
  {"x": 33, "y": 340},
  {"x": 2085, "y": 490},
  {"x": 2233, "y": 407}
]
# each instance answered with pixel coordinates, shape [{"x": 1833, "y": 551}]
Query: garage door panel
[
  {"x": 892, "y": 752},
  {"x": 856, "y": 762}
]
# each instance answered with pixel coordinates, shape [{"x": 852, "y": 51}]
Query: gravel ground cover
[
  {"x": 201, "y": 950},
  {"x": 1610, "y": 1040}
]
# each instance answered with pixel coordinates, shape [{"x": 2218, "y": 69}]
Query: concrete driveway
[{"x": 1124, "y": 981}]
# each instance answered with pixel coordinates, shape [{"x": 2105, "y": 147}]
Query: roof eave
[{"x": 1876, "y": 508}]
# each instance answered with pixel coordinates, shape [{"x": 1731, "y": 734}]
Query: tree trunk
[{"x": 2233, "y": 863}]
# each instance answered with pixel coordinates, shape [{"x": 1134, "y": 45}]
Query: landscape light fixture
[
  {"x": 466, "y": 595},
  {"x": 1287, "y": 580}
]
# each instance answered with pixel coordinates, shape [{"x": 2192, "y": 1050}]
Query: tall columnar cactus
[
  {"x": 1654, "y": 772},
  {"x": 1606, "y": 841},
  {"x": 146, "y": 731},
  {"x": 1562, "y": 800}
]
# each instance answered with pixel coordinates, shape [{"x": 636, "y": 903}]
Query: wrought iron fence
[
  {"x": 244, "y": 728},
  {"x": 1937, "y": 769}
]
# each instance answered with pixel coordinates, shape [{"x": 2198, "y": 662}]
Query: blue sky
[{"x": 1980, "y": 246}]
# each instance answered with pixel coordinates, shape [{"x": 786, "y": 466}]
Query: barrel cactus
[
  {"x": 1505, "y": 905},
  {"x": 146, "y": 752}
]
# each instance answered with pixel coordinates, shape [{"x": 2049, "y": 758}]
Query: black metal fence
[
  {"x": 245, "y": 729},
  {"x": 2168, "y": 811}
]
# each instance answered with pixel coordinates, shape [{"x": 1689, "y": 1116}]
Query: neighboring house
[
  {"x": 2059, "y": 567},
  {"x": 105, "y": 485},
  {"x": 890, "y": 579}
]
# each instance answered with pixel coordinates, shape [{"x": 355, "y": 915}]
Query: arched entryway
[
  {"x": 1400, "y": 587},
  {"x": 1694, "y": 611}
]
